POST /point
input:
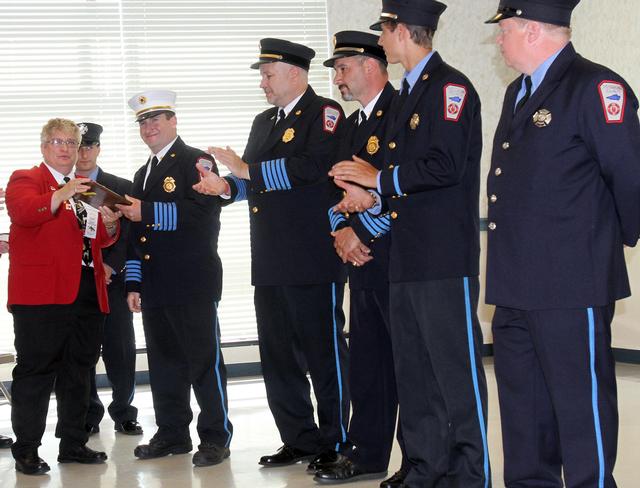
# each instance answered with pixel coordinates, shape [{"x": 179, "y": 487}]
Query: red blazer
[{"x": 45, "y": 259}]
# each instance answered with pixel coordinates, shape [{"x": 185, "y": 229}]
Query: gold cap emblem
[
  {"x": 288, "y": 135},
  {"x": 142, "y": 100},
  {"x": 542, "y": 118},
  {"x": 169, "y": 184},
  {"x": 414, "y": 122},
  {"x": 373, "y": 145}
]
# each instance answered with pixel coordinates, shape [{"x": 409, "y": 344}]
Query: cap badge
[
  {"x": 288, "y": 135},
  {"x": 83, "y": 129},
  {"x": 373, "y": 144},
  {"x": 335, "y": 41},
  {"x": 142, "y": 100},
  {"x": 414, "y": 122},
  {"x": 169, "y": 184},
  {"x": 542, "y": 118}
]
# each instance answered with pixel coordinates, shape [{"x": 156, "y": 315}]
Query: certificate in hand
[{"x": 99, "y": 195}]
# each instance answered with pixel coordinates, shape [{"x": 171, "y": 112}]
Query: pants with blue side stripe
[
  {"x": 558, "y": 402},
  {"x": 300, "y": 329},
  {"x": 442, "y": 389},
  {"x": 183, "y": 349}
]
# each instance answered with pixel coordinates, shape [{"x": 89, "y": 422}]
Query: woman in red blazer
[{"x": 57, "y": 296}]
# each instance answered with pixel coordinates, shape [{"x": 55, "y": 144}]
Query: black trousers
[
  {"x": 183, "y": 349},
  {"x": 300, "y": 329},
  {"x": 56, "y": 345},
  {"x": 119, "y": 356},
  {"x": 372, "y": 381},
  {"x": 442, "y": 389},
  {"x": 558, "y": 400}
]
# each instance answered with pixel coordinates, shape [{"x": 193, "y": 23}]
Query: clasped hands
[{"x": 364, "y": 175}]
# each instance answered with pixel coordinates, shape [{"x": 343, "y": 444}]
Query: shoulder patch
[
  {"x": 455, "y": 97},
  {"x": 614, "y": 99},
  {"x": 330, "y": 118},
  {"x": 205, "y": 162}
]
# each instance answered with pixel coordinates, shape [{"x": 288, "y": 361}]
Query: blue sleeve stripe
[
  {"x": 241, "y": 187},
  {"x": 287, "y": 182},
  {"x": 133, "y": 271},
  {"x": 175, "y": 216},
  {"x": 373, "y": 223},
  {"x": 278, "y": 175},
  {"x": 265, "y": 176},
  {"x": 367, "y": 225},
  {"x": 396, "y": 183},
  {"x": 272, "y": 175},
  {"x": 169, "y": 222},
  {"x": 156, "y": 213},
  {"x": 384, "y": 222},
  {"x": 165, "y": 216}
]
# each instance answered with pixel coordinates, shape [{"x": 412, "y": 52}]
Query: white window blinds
[{"x": 83, "y": 59}]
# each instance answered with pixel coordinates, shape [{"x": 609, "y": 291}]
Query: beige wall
[{"x": 605, "y": 31}]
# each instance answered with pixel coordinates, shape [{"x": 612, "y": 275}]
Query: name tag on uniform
[{"x": 91, "y": 228}]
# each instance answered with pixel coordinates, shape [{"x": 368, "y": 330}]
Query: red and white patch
[
  {"x": 330, "y": 118},
  {"x": 455, "y": 97},
  {"x": 206, "y": 162},
  {"x": 614, "y": 100}
]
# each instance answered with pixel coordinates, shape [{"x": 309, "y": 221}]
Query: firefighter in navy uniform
[
  {"x": 430, "y": 181},
  {"x": 174, "y": 276},
  {"x": 298, "y": 278},
  {"x": 564, "y": 197},
  {"x": 361, "y": 74},
  {"x": 118, "y": 341}
]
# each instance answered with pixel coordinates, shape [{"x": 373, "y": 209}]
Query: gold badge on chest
[
  {"x": 169, "y": 184},
  {"x": 373, "y": 144},
  {"x": 288, "y": 135},
  {"x": 414, "y": 122},
  {"x": 542, "y": 118}
]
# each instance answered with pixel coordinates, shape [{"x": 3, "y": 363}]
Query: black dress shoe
[
  {"x": 210, "y": 454},
  {"x": 129, "y": 427},
  {"x": 160, "y": 448},
  {"x": 5, "y": 441},
  {"x": 323, "y": 460},
  {"x": 82, "y": 455},
  {"x": 285, "y": 456},
  {"x": 345, "y": 471},
  {"x": 30, "y": 463},
  {"x": 91, "y": 429},
  {"x": 395, "y": 481}
]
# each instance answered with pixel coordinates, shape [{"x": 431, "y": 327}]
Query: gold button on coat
[
  {"x": 493, "y": 198},
  {"x": 498, "y": 171},
  {"x": 392, "y": 145},
  {"x": 147, "y": 257},
  {"x": 394, "y": 215},
  {"x": 254, "y": 209},
  {"x": 492, "y": 226},
  {"x": 143, "y": 239}
]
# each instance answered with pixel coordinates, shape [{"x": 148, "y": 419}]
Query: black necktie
[
  {"x": 81, "y": 216},
  {"x": 527, "y": 94},
  {"x": 363, "y": 117},
  {"x": 281, "y": 116},
  {"x": 405, "y": 91},
  {"x": 154, "y": 162}
]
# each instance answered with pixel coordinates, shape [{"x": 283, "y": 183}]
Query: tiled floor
[{"x": 255, "y": 435}]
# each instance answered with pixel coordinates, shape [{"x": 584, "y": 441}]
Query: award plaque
[{"x": 99, "y": 195}]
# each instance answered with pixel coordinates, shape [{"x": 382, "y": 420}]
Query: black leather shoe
[
  {"x": 323, "y": 460},
  {"x": 129, "y": 427},
  {"x": 5, "y": 441},
  {"x": 91, "y": 429},
  {"x": 82, "y": 455},
  {"x": 285, "y": 456},
  {"x": 30, "y": 463},
  {"x": 210, "y": 454},
  {"x": 395, "y": 481},
  {"x": 345, "y": 471},
  {"x": 160, "y": 448}
]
